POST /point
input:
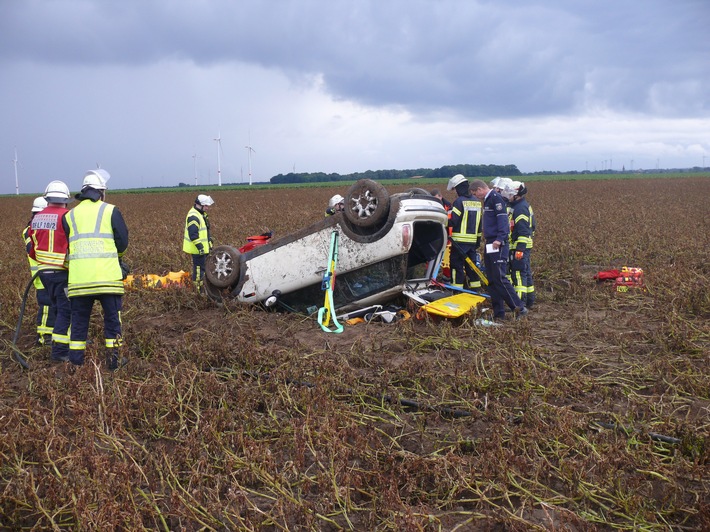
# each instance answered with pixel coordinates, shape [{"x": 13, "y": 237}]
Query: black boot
[
  {"x": 114, "y": 360},
  {"x": 530, "y": 300}
]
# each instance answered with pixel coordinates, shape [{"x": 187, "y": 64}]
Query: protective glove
[
  {"x": 200, "y": 248},
  {"x": 125, "y": 269},
  {"x": 518, "y": 255}
]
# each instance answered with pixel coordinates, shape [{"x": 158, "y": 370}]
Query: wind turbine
[
  {"x": 249, "y": 150},
  {"x": 17, "y": 183},
  {"x": 219, "y": 162},
  {"x": 195, "y": 157}
]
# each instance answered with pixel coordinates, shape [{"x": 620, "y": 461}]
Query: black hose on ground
[
  {"x": 16, "y": 353},
  {"x": 654, "y": 436}
]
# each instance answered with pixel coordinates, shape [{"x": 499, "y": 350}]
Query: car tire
[
  {"x": 366, "y": 203},
  {"x": 222, "y": 266},
  {"x": 418, "y": 192}
]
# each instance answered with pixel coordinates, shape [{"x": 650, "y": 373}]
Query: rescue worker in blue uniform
[
  {"x": 98, "y": 238},
  {"x": 465, "y": 231},
  {"x": 49, "y": 247},
  {"x": 197, "y": 240},
  {"x": 46, "y": 312},
  {"x": 521, "y": 238},
  {"x": 496, "y": 230}
]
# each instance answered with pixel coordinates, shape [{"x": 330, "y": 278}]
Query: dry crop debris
[{"x": 235, "y": 418}]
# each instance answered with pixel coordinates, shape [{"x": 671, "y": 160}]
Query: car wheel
[
  {"x": 222, "y": 266},
  {"x": 418, "y": 192},
  {"x": 366, "y": 203}
]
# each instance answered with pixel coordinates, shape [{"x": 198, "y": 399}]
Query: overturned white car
[{"x": 387, "y": 244}]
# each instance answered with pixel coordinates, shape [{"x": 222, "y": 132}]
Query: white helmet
[
  {"x": 96, "y": 179},
  {"x": 495, "y": 181},
  {"x": 503, "y": 183},
  {"x": 57, "y": 192},
  {"x": 39, "y": 204},
  {"x": 204, "y": 200},
  {"x": 335, "y": 200},
  {"x": 456, "y": 181},
  {"x": 512, "y": 188}
]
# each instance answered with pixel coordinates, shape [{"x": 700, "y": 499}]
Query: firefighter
[
  {"x": 98, "y": 238},
  {"x": 335, "y": 204},
  {"x": 49, "y": 246},
  {"x": 465, "y": 231},
  {"x": 500, "y": 185},
  {"x": 197, "y": 240},
  {"x": 496, "y": 230},
  {"x": 46, "y": 312},
  {"x": 523, "y": 229},
  {"x": 438, "y": 195}
]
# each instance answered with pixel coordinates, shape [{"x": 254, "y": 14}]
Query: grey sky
[{"x": 141, "y": 86}]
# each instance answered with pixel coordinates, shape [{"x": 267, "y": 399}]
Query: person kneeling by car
[
  {"x": 197, "y": 240},
  {"x": 335, "y": 204}
]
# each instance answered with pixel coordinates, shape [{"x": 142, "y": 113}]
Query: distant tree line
[{"x": 469, "y": 170}]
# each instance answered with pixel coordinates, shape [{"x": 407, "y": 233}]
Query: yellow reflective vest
[
  {"x": 34, "y": 265},
  {"x": 93, "y": 257},
  {"x": 200, "y": 220}
]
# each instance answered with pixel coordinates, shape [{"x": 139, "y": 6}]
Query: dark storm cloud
[{"x": 475, "y": 59}]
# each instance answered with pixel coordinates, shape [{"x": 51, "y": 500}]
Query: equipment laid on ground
[
  {"x": 453, "y": 306},
  {"x": 623, "y": 279},
  {"x": 327, "y": 312},
  {"x": 150, "y": 280}
]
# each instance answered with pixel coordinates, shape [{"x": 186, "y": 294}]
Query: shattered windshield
[{"x": 351, "y": 286}]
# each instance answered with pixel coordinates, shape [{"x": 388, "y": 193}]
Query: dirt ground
[{"x": 591, "y": 413}]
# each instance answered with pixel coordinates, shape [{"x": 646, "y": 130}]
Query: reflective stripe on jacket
[
  {"x": 33, "y": 263},
  {"x": 523, "y": 225},
  {"x": 465, "y": 219},
  {"x": 93, "y": 257},
  {"x": 49, "y": 241},
  {"x": 196, "y": 220}
]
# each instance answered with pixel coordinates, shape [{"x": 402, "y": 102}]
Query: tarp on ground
[{"x": 150, "y": 280}]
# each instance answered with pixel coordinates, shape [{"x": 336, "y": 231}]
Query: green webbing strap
[{"x": 327, "y": 312}]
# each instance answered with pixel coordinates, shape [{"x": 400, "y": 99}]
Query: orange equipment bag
[
  {"x": 623, "y": 279},
  {"x": 629, "y": 278}
]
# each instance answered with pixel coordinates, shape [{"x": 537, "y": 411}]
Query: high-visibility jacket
[
  {"x": 93, "y": 256},
  {"x": 523, "y": 222},
  {"x": 49, "y": 240},
  {"x": 197, "y": 231},
  {"x": 37, "y": 282},
  {"x": 465, "y": 220}
]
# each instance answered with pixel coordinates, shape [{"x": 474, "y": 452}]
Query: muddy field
[{"x": 593, "y": 413}]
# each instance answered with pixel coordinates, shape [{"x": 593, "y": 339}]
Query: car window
[{"x": 351, "y": 286}]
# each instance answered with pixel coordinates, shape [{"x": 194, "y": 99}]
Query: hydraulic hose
[{"x": 16, "y": 353}]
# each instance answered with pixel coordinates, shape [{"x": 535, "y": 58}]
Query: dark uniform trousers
[
  {"x": 499, "y": 287},
  {"x": 55, "y": 283},
  {"x": 80, "y": 316}
]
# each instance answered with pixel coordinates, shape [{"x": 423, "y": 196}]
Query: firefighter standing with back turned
[
  {"x": 197, "y": 240},
  {"x": 98, "y": 237},
  {"x": 465, "y": 224},
  {"x": 49, "y": 247},
  {"x": 46, "y": 312}
]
